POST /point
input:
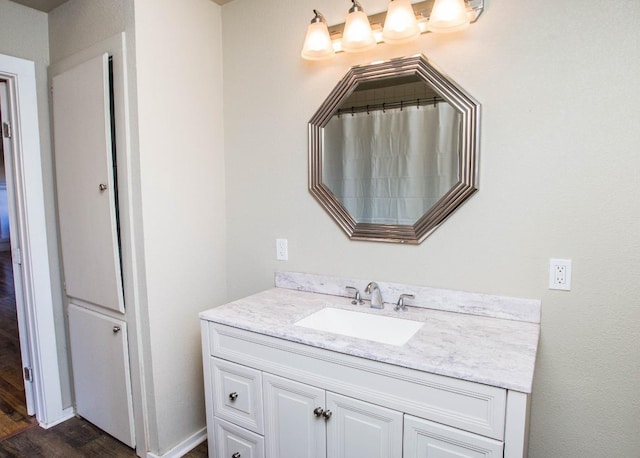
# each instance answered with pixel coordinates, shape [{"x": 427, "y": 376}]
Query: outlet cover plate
[
  {"x": 560, "y": 274},
  {"x": 282, "y": 250}
]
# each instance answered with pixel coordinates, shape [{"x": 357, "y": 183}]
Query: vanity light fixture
[
  {"x": 357, "y": 35},
  {"x": 400, "y": 25},
  {"x": 448, "y": 16},
  {"x": 403, "y": 22},
  {"x": 317, "y": 43}
]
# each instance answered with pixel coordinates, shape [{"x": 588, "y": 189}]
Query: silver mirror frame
[{"x": 467, "y": 185}]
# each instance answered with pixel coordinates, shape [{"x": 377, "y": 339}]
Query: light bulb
[
  {"x": 448, "y": 16},
  {"x": 317, "y": 43},
  {"x": 400, "y": 25},
  {"x": 357, "y": 35}
]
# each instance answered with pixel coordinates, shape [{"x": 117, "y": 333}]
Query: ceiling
[
  {"x": 48, "y": 5},
  {"x": 42, "y": 5}
]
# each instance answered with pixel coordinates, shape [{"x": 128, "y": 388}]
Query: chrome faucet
[{"x": 376, "y": 296}]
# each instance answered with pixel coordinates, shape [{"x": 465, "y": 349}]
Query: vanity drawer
[
  {"x": 237, "y": 394},
  {"x": 235, "y": 442}
]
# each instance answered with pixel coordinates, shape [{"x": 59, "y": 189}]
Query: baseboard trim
[
  {"x": 183, "y": 447},
  {"x": 67, "y": 413}
]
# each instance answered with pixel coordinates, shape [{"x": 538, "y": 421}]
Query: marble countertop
[{"x": 481, "y": 349}]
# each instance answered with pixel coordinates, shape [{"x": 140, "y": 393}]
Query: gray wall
[
  {"x": 182, "y": 185},
  {"x": 559, "y": 177}
]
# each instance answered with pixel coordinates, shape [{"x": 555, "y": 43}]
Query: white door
[
  {"x": 426, "y": 439},
  {"x": 359, "y": 429},
  {"x": 101, "y": 373},
  {"x": 23, "y": 328},
  {"x": 292, "y": 429},
  {"x": 87, "y": 199},
  {"x": 89, "y": 239}
]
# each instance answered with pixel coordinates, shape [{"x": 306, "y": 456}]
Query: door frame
[
  {"x": 15, "y": 247},
  {"x": 28, "y": 212}
]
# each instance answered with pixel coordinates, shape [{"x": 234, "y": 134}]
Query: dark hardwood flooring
[
  {"x": 20, "y": 435},
  {"x": 75, "y": 438}
]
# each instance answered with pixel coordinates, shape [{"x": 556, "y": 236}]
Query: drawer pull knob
[
  {"x": 327, "y": 414},
  {"x": 318, "y": 411},
  {"x": 236, "y": 455},
  {"x": 233, "y": 396}
]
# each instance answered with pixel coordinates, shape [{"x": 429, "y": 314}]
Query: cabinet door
[
  {"x": 360, "y": 429},
  {"x": 86, "y": 185},
  {"x": 292, "y": 430},
  {"x": 101, "y": 375},
  {"x": 426, "y": 439}
]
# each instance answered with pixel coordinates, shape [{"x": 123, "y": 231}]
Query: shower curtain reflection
[{"x": 391, "y": 167}]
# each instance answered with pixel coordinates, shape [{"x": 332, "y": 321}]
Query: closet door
[
  {"x": 87, "y": 199},
  {"x": 100, "y": 359}
]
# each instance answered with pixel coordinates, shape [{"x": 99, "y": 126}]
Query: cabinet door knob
[
  {"x": 116, "y": 329},
  {"x": 233, "y": 396},
  {"x": 102, "y": 187},
  {"x": 236, "y": 455},
  {"x": 327, "y": 414},
  {"x": 318, "y": 411}
]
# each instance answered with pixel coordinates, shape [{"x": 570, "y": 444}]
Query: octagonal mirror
[{"x": 393, "y": 150}]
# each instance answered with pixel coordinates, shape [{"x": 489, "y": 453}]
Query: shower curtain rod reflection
[{"x": 390, "y": 105}]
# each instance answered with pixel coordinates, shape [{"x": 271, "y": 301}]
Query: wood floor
[
  {"x": 20, "y": 435},
  {"x": 75, "y": 438}
]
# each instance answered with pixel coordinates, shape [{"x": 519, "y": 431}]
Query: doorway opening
[{"x": 15, "y": 414}]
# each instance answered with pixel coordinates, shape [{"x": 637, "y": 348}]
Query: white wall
[
  {"x": 24, "y": 33},
  {"x": 559, "y": 177},
  {"x": 183, "y": 197}
]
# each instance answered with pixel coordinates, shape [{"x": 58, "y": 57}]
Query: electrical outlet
[
  {"x": 560, "y": 274},
  {"x": 282, "y": 250}
]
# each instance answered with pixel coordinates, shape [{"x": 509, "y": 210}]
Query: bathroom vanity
[{"x": 459, "y": 386}]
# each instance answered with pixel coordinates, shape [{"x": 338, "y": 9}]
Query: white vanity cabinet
[
  {"x": 303, "y": 421},
  {"x": 271, "y": 397}
]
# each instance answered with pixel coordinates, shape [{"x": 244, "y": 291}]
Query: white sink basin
[{"x": 379, "y": 328}]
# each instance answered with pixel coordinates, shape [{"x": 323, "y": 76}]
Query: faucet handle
[
  {"x": 357, "y": 300},
  {"x": 401, "y": 305}
]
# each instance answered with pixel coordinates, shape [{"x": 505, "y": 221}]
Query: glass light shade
[
  {"x": 317, "y": 43},
  {"x": 357, "y": 35},
  {"x": 448, "y": 16},
  {"x": 400, "y": 25}
]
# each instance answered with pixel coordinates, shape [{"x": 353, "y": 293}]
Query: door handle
[{"x": 102, "y": 187}]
